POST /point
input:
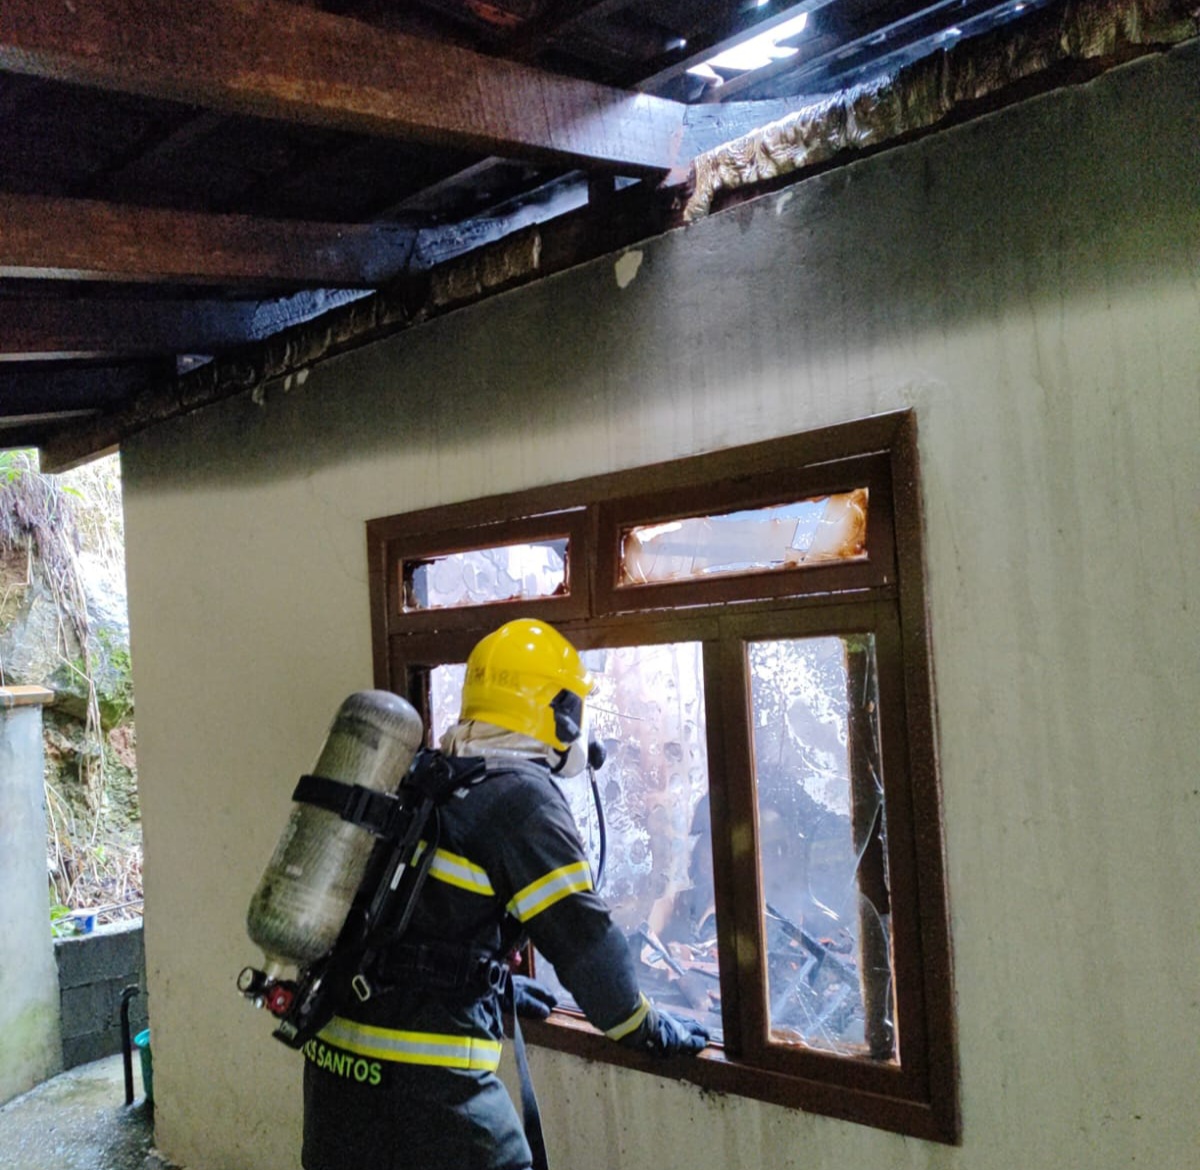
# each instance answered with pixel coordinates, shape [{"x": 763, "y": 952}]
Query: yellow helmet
[{"x": 526, "y": 677}]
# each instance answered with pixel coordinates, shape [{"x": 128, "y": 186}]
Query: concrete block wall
[{"x": 93, "y": 970}]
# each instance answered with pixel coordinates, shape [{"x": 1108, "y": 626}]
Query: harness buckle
[
  {"x": 361, "y": 987},
  {"x": 496, "y": 976}
]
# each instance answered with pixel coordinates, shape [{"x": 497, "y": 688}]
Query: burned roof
[{"x": 197, "y": 196}]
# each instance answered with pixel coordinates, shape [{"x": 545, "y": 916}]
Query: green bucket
[{"x": 142, "y": 1043}]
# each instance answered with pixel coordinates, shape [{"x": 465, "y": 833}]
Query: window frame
[{"x": 883, "y": 595}]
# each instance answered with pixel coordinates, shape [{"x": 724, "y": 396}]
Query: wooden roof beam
[
  {"x": 25, "y": 392},
  {"x": 36, "y": 329},
  {"x": 291, "y": 63},
  {"x": 80, "y": 239},
  {"x": 38, "y": 402}
]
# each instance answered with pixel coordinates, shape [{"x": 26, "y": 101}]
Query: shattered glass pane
[
  {"x": 445, "y": 697},
  {"x": 787, "y": 536},
  {"x": 822, "y": 844},
  {"x": 479, "y": 576},
  {"x": 648, "y": 711}
]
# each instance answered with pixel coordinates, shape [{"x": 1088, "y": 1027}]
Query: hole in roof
[{"x": 755, "y": 53}]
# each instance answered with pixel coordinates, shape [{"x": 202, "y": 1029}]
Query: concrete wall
[
  {"x": 1030, "y": 284},
  {"x": 29, "y": 1045},
  {"x": 93, "y": 971}
]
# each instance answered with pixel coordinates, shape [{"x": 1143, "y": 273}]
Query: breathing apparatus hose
[{"x": 596, "y": 758}]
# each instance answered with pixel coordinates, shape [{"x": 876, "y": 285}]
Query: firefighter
[{"x": 408, "y": 1077}]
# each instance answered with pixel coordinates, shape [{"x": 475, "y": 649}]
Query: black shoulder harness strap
[
  {"x": 395, "y": 875},
  {"x": 433, "y": 777}
]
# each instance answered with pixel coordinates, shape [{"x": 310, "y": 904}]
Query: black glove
[
  {"x": 530, "y": 998},
  {"x": 663, "y": 1034}
]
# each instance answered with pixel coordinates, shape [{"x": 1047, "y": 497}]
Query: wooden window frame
[{"x": 883, "y": 594}]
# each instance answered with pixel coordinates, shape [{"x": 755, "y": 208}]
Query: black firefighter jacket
[{"x": 408, "y": 1078}]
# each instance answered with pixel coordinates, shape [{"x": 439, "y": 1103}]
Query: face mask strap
[{"x": 568, "y": 716}]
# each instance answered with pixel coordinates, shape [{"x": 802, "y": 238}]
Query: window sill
[{"x": 716, "y": 1072}]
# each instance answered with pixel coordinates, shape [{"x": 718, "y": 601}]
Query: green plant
[
  {"x": 62, "y": 924},
  {"x": 41, "y": 513},
  {"x": 93, "y": 839}
]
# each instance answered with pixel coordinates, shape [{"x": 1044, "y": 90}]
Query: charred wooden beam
[
  {"x": 634, "y": 214},
  {"x": 39, "y": 328},
  {"x": 287, "y": 62},
  {"x": 71, "y": 388},
  {"x": 1065, "y": 43},
  {"x": 531, "y": 37},
  {"x": 712, "y": 124},
  {"x": 83, "y": 239},
  {"x": 35, "y": 328},
  {"x": 36, "y": 403},
  {"x": 968, "y": 82},
  {"x": 24, "y": 430},
  {"x": 550, "y": 201}
]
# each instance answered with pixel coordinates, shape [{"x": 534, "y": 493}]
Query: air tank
[{"x": 302, "y": 901}]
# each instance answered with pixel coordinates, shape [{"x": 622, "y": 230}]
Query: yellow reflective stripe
[
  {"x": 633, "y": 1023},
  {"x": 458, "y": 871},
  {"x": 466, "y": 1052},
  {"x": 556, "y": 885}
]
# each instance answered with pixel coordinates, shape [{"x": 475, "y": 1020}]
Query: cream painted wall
[
  {"x": 1030, "y": 284},
  {"x": 30, "y": 1016}
]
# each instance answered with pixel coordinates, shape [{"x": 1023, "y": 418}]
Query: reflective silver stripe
[
  {"x": 445, "y": 1051},
  {"x": 633, "y": 1023},
  {"x": 458, "y": 871},
  {"x": 556, "y": 885}
]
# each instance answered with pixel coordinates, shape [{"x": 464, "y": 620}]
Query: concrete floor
[{"x": 79, "y": 1121}]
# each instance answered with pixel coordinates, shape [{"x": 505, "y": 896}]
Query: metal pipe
[{"x": 127, "y": 1041}]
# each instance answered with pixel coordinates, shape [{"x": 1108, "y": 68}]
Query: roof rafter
[
  {"x": 70, "y": 328},
  {"x": 283, "y": 61},
  {"x": 25, "y": 390},
  {"x": 634, "y": 214},
  {"x": 82, "y": 239},
  {"x": 37, "y": 401}
]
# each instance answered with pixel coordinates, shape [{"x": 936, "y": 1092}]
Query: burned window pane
[
  {"x": 480, "y": 576},
  {"x": 822, "y": 836},
  {"x": 835, "y": 1001},
  {"x": 648, "y": 710},
  {"x": 788, "y": 536},
  {"x": 445, "y": 697}
]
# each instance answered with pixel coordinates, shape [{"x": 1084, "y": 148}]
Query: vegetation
[{"x": 56, "y": 534}]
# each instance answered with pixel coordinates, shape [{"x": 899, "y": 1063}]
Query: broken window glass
[
  {"x": 787, "y": 536},
  {"x": 478, "y": 576},
  {"x": 648, "y": 711},
  {"x": 445, "y": 697},
  {"x": 832, "y": 1002},
  {"x": 822, "y": 834}
]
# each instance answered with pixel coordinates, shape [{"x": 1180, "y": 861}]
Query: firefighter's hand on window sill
[
  {"x": 531, "y": 999},
  {"x": 663, "y": 1034}
]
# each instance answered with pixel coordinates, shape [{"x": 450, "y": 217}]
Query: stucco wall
[
  {"x": 30, "y": 1048},
  {"x": 1030, "y": 283}
]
